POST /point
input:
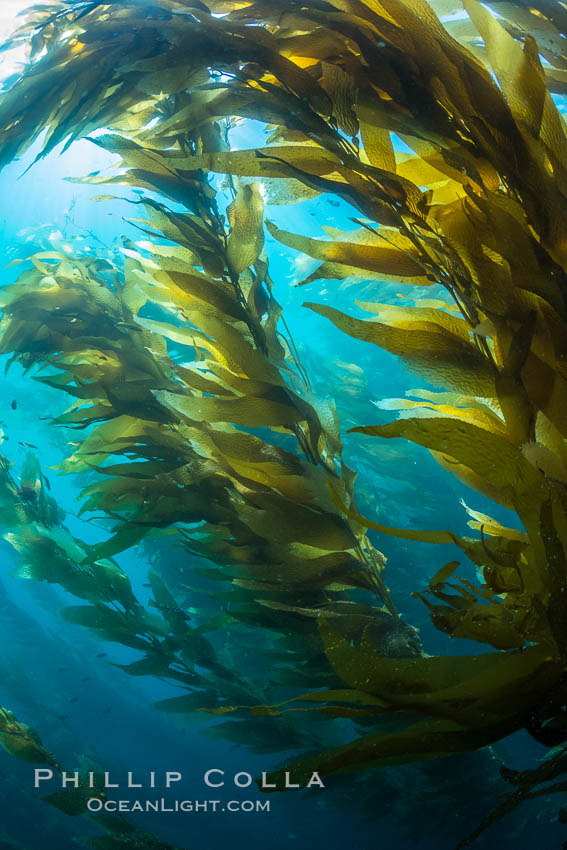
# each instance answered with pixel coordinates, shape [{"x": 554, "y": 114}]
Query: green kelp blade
[
  {"x": 493, "y": 459},
  {"x": 351, "y": 704},
  {"x": 429, "y": 739},
  {"x": 473, "y": 690},
  {"x": 419, "y": 535},
  {"x": 22, "y": 741},
  {"x": 431, "y": 349}
]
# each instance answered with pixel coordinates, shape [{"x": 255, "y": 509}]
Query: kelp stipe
[{"x": 480, "y": 210}]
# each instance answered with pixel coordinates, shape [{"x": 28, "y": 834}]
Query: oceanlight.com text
[{"x": 96, "y": 804}]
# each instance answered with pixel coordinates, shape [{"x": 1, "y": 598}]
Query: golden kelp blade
[{"x": 21, "y": 741}]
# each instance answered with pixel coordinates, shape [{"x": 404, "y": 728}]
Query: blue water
[{"x": 51, "y": 674}]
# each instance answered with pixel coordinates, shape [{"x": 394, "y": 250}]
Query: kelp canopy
[{"x": 226, "y": 447}]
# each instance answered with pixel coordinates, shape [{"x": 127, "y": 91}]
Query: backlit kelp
[
  {"x": 477, "y": 212},
  {"x": 156, "y": 414},
  {"x": 170, "y": 471},
  {"x": 174, "y": 644}
]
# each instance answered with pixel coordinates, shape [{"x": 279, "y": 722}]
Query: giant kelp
[
  {"x": 479, "y": 210},
  {"x": 162, "y": 417},
  {"x": 24, "y": 743},
  {"x": 232, "y": 486}
]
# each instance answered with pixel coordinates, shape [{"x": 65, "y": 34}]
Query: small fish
[
  {"x": 27, "y": 445},
  {"x": 14, "y": 404},
  {"x": 146, "y": 584},
  {"x": 101, "y": 655},
  {"x": 128, "y": 326},
  {"x": 86, "y": 679},
  {"x": 107, "y": 711},
  {"x": 332, "y": 202},
  {"x": 63, "y": 717},
  {"x": 74, "y": 699},
  {"x": 62, "y": 669}
]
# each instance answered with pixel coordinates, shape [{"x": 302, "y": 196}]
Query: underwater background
[{"x": 66, "y": 681}]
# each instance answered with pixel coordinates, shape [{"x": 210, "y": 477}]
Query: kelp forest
[{"x": 244, "y": 547}]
